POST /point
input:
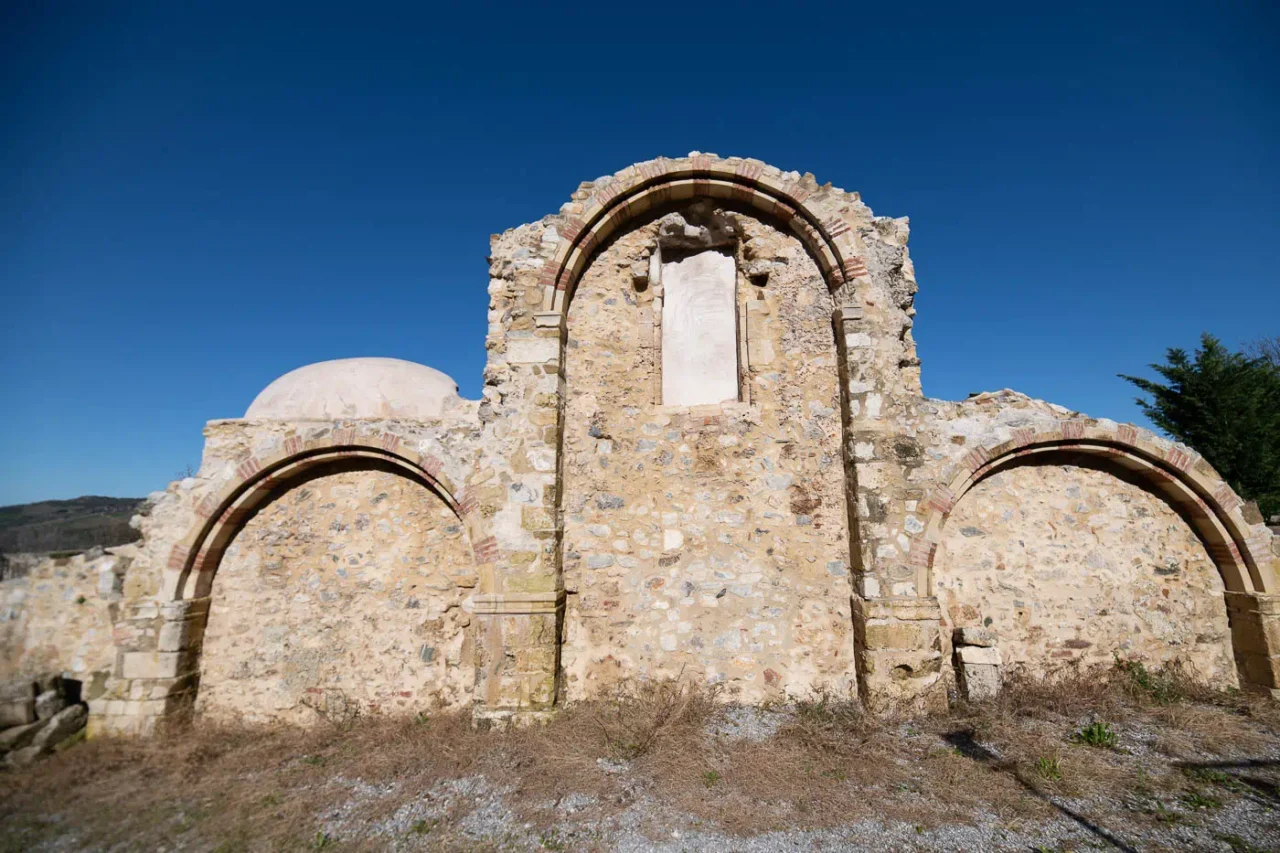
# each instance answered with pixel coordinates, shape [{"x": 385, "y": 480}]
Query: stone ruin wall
[
  {"x": 1072, "y": 566},
  {"x": 803, "y": 537},
  {"x": 59, "y": 616},
  {"x": 342, "y": 594},
  {"x": 707, "y": 540}
]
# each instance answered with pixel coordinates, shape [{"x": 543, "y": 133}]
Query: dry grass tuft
[{"x": 639, "y": 714}]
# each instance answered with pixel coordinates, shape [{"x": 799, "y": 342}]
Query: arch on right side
[{"x": 1200, "y": 497}]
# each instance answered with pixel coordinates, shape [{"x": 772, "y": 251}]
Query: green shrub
[
  {"x": 1097, "y": 734},
  {"x": 1049, "y": 768}
]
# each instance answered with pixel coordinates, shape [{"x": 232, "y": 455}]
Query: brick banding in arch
[
  {"x": 646, "y": 186},
  {"x": 1238, "y": 548},
  {"x": 193, "y": 560}
]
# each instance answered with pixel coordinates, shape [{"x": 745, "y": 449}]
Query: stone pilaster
[
  {"x": 900, "y": 653},
  {"x": 898, "y": 641},
  {"x": 1255, "y": 638},
  {"x": 518, "y": 617},
  {"x": 157, "y": 667},
  {"x": 525, "y": 628}
]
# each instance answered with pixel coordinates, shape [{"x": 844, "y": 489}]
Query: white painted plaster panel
[{"x": 699, "y": 331}]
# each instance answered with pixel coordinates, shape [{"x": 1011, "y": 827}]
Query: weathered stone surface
[
  {"x": 978, "y": 656},
  {"x": 20, "y": 736},
  {"x": 980, "y": 682},
  {"x": 55, "y": 619},
  {"x": 1074, "y": 564},
  {"x": 326, "y": 598},
  {"x": 725, "y": 554},
  {"x": 49, "y": 703},
  {"x": 24, "y": 757},
  {"x": 61, "y": 726},
  {"x": 816, "y": 512},
  {"x": 17, "y": 713},
  {"x": 18, "y": 690},
  {"x": 969, "y": 635}
]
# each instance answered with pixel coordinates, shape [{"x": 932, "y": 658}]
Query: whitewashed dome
[{"x": 356, "y": 388}]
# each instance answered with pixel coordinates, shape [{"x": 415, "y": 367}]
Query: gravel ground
[
  {"x": 477, "y": 816},
  {"x": 471, "y": 812},
  {"x": 1238, "y": 810}
]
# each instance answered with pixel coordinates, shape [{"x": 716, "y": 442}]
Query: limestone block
[
  {"x": 18, "y": 713},
  {"x": 980, "y": 683},
  {"x": 1255, "y": 621},
  {"x": 62, "y": 726},
  {"x": 19, "y": 690},
  {"x": 1259, "y": 671},
  {"x": 20, "y": 736},
  {"x": 979, "y": 670},
  {"x": 24, "y": 757},
  {"x": 533, "y": 350},
  {"x": 978, "y": 655},
  {"x": 897, "y": 635},
  {"x": 974, "y": 636}
]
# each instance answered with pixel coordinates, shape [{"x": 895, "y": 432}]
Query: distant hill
[{"x": 73, "y": 525}]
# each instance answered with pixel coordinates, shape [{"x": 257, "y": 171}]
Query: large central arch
[
  {"x": 819, "y": 218},
  {"x": 633, "y": 192}
]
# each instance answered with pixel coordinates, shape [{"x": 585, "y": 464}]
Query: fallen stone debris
[{"x": 39, "y": 716}]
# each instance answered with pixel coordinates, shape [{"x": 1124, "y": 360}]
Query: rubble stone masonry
[
  {"x": 827, "y": 528},
  {"x": 344, "y": 592}
]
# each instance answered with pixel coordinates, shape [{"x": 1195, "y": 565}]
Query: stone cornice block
[{"x": 517, "y": 603}]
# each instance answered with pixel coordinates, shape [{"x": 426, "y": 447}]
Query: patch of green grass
[
  {"x": 1215, "y": 777},
  {"x": 1237, "y": 844},
  {"x": 1197, "y": 800},
  {"x": 551, "y": 840},
  {"x": 315, "y": 760},
  {"x": 322, "y": 840},
  {"x": 422, "y": 827},
  {"x": 1161, "y": 686},
  {"x": 710, "y": 778},
  {"x": 1096, "y": 734},
  {"x": 1049, "y": 768}
]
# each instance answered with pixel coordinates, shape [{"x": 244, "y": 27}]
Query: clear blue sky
[{"x": 199, "y": 197}]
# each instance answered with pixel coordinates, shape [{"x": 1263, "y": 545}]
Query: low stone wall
[{"x": 59, "y": 617}]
